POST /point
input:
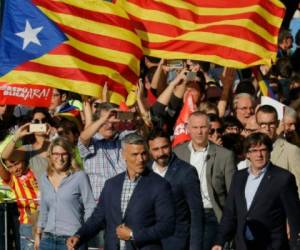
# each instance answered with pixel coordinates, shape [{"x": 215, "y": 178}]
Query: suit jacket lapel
[
  {"x": 171, "y": 169},
  {"x": 136, "y": 193},
  {"x": 211, "y": 154},
  {"x": 262, "y": 187},
  {"x": 186, "y": 153},
  {"x": 242, "y": 186},
  {"x": 117, "y": 197}
]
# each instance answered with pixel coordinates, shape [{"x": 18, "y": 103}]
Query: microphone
[{"x": 207, "y": 158}]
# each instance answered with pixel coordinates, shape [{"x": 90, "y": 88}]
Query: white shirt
[
  {"x": 199, "y": 161},
  {"x": 156, "y": 169}
]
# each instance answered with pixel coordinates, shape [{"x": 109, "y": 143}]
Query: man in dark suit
[
  {"x": 261, "y": 200},
  {"x": 185, "y": 184},
  {"x": 135, "y": 208},
  {"x": 215, "y": 166}
]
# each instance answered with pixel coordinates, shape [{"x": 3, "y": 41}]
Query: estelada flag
[
  {"x": 75, "y": 45},
  {"x": 235, "y": 33},
  {"x": 180, "y": 132},
  {"x": 263, "y": 83}
]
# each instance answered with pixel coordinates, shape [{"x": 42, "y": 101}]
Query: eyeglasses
[
  {"x": 215, "y": 130},
  {"x": 55, "y": 94},
  {"x": 56, "y": 154},
  {"x": 245, "y": 108},
  {"x": 255, "y": 151},
  {"x": 268, "y": 124},
  {"x": 36, "y": 121}
]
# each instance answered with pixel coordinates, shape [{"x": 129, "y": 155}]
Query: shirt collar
[
  {"x": 191, "y": 148},
  {"x": 135, "y": 180},
  {"x": 262, "y": 171},
  {"x": 156, "y": 169}
]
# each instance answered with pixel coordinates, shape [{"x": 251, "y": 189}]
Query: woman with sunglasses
[
  {"x": 66, "y": 198},
  {"x": 19, "y": 177},
  {"x": 35, "y": 144}
]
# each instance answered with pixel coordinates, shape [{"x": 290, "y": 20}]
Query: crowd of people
[{"x": 112, "y": 177}]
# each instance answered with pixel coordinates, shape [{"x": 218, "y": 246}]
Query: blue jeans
[
  {"x": 55, "y": 242},
  {"x": 26, "y": 242},
  {"x": 210, "y": 229}
]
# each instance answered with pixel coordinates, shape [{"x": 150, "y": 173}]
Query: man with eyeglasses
[
  {"x": 284, "y": 154},
  {"x": 261, "y": 200},
  {"x": 243, "y": 107},
  {"x": 215, "y": 166}
]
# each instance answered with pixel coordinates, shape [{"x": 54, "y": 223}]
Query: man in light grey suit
[
  {"x": 215, "y": 167},
  {"x": 284, "y": 154}
]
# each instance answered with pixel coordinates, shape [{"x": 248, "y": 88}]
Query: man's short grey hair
[
  {"x": 240, "y": 95},
  {"x": 290, "y": 112},
  {"x": 199, "y": 114},
  {"x": 133, "y": 138}
]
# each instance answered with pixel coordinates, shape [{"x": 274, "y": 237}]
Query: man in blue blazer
[
  {"x": 135, "y": 208},
  {"x": 185, "y": 184},
  {"x": 261, "y": 201}
]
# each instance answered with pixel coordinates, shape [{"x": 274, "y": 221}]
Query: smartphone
[
  {"x": 41, "y": 127},
  {"x": 191, "y": 76},
  {"x": 125, "y": 115},
  {"x": 175, "y": 64}
]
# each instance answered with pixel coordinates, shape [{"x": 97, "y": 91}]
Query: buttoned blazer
[
  {"x": 219, "y": 171},
  {"x": 287, "y": 156},
  {"x": 185, "y": 185},
  {"x": 275, "y": 201},
  {"x": 150, "y": 213}
]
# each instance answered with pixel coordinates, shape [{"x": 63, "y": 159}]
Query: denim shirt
[{"x": 62, "y": 212}]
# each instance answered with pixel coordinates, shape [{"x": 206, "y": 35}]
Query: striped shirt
[{"x": 26, "y": 191}]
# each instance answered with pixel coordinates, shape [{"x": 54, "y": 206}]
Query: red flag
[{"x": 180, "y": 132}]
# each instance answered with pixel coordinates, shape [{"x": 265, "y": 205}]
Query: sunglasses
[
  {"x": 215, "y": 130},
  {"x": 36, "y": 121}
]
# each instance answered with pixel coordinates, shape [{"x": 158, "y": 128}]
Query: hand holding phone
[{"x": 38, "y": 128}]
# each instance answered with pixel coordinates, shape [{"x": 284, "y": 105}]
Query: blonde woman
[{"x": 66, "y": 198}]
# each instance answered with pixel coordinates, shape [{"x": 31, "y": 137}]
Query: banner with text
[{"x": 25, "y": 94}]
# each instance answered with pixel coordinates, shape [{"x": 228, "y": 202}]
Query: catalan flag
[
  {"x": 76, "y": 45},
  {"x": 235, "y": 33}
]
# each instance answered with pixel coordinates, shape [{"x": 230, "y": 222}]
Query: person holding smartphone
[{"x": 35, "y": 143}]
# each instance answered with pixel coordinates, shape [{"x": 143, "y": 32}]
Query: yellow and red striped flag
[
  {"x": 100, "y": 46},
  {"x": 235, "y": 33}
]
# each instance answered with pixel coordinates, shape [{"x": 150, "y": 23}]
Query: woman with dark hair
[
  {"x": 66, "y": 198},
  {"x": 35, "y": 144}
]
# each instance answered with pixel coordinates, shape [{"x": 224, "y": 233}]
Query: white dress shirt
[
  {"x": 199, "y": 161},
  {"x": 158, "y": 170}
]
